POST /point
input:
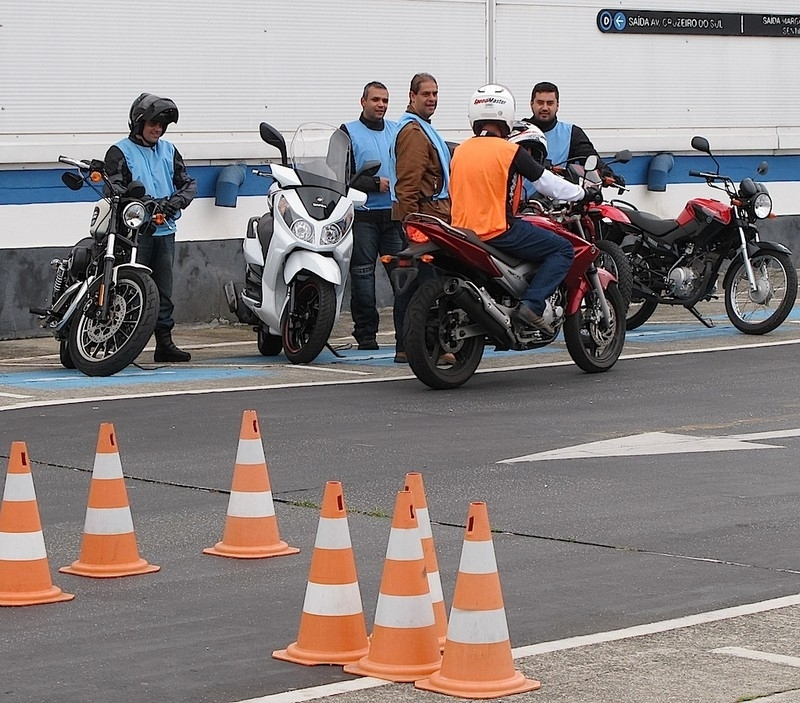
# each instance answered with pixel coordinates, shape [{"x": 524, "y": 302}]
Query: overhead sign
[{"x": 705, "y": 23}]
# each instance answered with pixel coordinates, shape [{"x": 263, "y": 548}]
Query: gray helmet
[{"x": 150, "y": 108}]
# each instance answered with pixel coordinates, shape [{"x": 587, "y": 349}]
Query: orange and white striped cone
[
  {"x": 24, "y": 569},
  {"x": 251, "y": 528},
  {"x": 477, "y": 660},
  {"x": 403, "y": 645},
  {"x": 108, "y": 548},
  {"x": 416, "y": 486},
  {"x": 332, "y": 627}
]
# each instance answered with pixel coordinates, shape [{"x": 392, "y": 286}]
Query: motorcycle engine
[{"x": 683, "y": 280}]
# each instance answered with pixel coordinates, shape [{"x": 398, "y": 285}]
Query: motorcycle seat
[{"x": 650, "y": 223}]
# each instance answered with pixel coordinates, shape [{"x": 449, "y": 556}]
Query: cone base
[
  {"x": 399, "y": 673},
  {"x": 308, "y": 657},
  {"x": 107, "y": 571},
  {"x": 279, "y": 549},
  {"x": 51, "y": 595},
  {"x": 478, "y": 689}
]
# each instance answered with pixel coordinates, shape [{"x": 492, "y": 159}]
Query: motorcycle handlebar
[
  {"x": 703, "y": 174},
  {"x": 83, "y": 165},
  {"x": 265, "y": 174}
]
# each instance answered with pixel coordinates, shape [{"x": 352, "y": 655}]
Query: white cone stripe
[
  {"x": 478, "y": 558},
  {"x": 424, "y": 522},
  {"x": 404, "y": 611},
  {"x": 108, "y": 521},
  {"x": 250, "y": 451},
  {"x": 19, "y": 487},
  {"x": 404, "y": 544},
  {"x": 251, "y": 504},
  {"x": 477, "y": 626},
  {"x": 22, "y": 546},
  {"x": 107, "y": 466},
  {"x": 337, "y": 599},
  {"x": 333, "y": 533},
  {"x": 435, "y": 587}
]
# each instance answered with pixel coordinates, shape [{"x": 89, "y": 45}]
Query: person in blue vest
[
  {"x": 374, "y": 232},
  {"x": 565, "y": 141},
  {"x": 144, "y": 156}
]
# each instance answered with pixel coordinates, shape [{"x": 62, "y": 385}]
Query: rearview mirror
[
  {"x": 591, "y": 163},
  {"x": 274, "y": 138},
  {"x": 73, "y": 181},
  {"x": 701, "y": 144},
  {"x": 623, "y": 157},
  {"x": 762, "y": 169}
]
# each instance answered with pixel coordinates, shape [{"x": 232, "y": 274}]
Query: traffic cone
[
  {"x": 24, "y": 569},
  {"x": 403, "y": 645},
  {"x": 415, "y": 485},
  {"x": 477, "y": 660},
  {"x": 332, "y": 628},
  {"x": 251, "y": 528},
  {"x": 108, "y": 548}
]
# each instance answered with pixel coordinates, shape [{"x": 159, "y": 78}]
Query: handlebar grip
[{"x": 696, "y": 173}]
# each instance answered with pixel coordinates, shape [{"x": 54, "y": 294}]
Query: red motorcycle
[
  {"x": 469, "y": 302},
  {"x": 678, "y": 262}
]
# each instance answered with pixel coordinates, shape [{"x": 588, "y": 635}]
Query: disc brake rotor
[{"x": 101, "y": 331}]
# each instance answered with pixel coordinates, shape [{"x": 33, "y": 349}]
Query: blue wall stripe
[{"x": 25, "y": 187}]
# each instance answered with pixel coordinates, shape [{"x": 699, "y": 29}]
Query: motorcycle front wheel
[
  {"x": 104, "y": 348},
  {"x": 308, "y": 321},
  {"x": 762, "y": 310},
  {"x": 64, "y": 355},
  {"x": 430, "y": 319},
  {"x": 593, "y": 345}
]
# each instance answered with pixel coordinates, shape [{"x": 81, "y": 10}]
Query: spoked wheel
[
  {"x": 593, "y": 345},
  {"x": 429, "y": 332},
  {"x": 613, "y": 260},
  {"x": 639, "y": 308},
  {"x": 268, "y": 344},
  {"x": 104, "y": 348},
  {"x": 308, "y": 320},
  {"x": 762, "y": 310}
]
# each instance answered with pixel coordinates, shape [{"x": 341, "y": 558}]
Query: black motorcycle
[{"x": 103, "y": 305}]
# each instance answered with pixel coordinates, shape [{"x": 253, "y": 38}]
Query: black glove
[
  {"x": 168, "y": 207},
  {"x": 594, "y": 196}
]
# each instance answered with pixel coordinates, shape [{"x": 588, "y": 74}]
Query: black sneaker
[
  {"x": 368, "y": 344},
  {"x": 522, "y": 313}
]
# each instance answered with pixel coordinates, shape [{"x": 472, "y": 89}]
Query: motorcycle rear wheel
[
  {"x": 105, "y": 348},
  {"x": 268, "y": 344},
  {"x": 770, "y": 305},
  {"x": 639, "y": 309},
  {"x": 429, "y": 319},
  {"x": 591, "y": 345},
  {"x": 613, "y": 260},
  {"x": 308, "y": 324}
]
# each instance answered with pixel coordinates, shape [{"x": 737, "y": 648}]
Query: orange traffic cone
[
  {"x": 403, "y": 645},
  {"x": 251, "y": 528},
  {"x": 332, "y": 628},
  {"x": 24, "y": 569},
  {"x": 477, "y": 660},
  {"x": 417, "y": 488},
  {"x": 109, "y": 546}
]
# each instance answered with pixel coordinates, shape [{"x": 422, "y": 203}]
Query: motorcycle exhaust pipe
[{"x": 481, "y": 308}]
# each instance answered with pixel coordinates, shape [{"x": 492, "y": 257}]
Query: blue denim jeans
[
  {"x": 159, "y": 254},
  {"x": 532, "y": 243},
  {"x": 372, "y": 239}
]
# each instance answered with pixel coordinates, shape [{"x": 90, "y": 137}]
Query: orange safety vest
[{"x": 484, "y": 189}]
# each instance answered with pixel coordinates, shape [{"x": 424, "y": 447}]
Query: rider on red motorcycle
[{"x": 486, "y": 175}]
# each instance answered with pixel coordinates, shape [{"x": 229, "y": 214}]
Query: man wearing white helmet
[{"x": 486, "y": 176}]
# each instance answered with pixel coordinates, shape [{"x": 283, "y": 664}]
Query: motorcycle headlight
[
  {"x": 334, "y": 232},
  {"x": 761, "y": 206},
  {"x": 134, "y": 215},
  {"x": 303, "y": 230}
]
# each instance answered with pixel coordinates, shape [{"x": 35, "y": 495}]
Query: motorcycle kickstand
[
  {"x": 336, "y": 353},
  {"x": 708, "y": 323}
]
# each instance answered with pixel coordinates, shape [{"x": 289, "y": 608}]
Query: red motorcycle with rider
[{"x": 512, "y": 281}]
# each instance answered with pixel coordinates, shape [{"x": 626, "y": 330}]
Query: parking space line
[{"x": 759, "y": 656}]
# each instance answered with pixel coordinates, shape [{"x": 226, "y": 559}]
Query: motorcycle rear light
[
  {"x": 426, "y": 258},
  {"x": 416, "y": 235}
]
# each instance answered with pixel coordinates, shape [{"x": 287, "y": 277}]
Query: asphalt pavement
[{"x": 742, "y": 653}]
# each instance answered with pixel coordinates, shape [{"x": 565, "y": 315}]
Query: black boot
[{"x": 166, "y": 349}]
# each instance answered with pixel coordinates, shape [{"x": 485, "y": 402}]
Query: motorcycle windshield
[{"x": 320, "y": 156}]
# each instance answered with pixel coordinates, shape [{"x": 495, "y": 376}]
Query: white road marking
[
  {"x": 14, "y": 395},
  {"x": 317, "y": 692},
  {"x": 647, "y": 444},
  {"x": 759, "y": 656}
]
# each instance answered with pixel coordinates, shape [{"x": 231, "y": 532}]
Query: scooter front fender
[{"x": 303, "y": 260}]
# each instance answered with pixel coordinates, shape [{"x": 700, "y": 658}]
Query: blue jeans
[
  {"x": 532, "y": 243},
  {"x": 372, "y": 239},
  {"x": 159, "y": 254}
]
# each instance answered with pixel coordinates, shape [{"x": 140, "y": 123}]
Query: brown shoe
[
  {"x": 522, "y": 313},
  {"x": 447, "y": 359},
  {"x": 400, "y": 358}
]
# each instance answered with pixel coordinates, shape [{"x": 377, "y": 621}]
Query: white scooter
[{"x": 297, "y": 254}]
